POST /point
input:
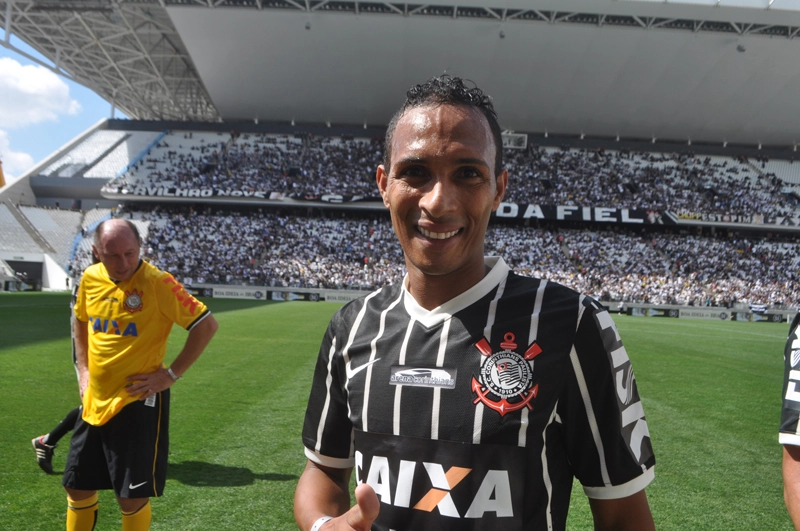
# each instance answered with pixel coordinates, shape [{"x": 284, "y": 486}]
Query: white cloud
[
  {"x": 32, "y": 94},
  {"x": 15, "y": 163}
]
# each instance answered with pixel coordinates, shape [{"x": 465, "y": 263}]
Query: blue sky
[{"x": 39, "y": 110}]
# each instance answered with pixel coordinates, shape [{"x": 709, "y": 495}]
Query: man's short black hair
[{"x": 448, "y": 90}]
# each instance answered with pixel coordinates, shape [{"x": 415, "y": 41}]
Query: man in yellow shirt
[{"x": 124, "y": 313}]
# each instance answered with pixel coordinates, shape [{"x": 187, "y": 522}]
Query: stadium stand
[
  {"x": 341, "y": 249},
  {"x": 307, "y": 166},
  {"x": 175, "y": 157},
  {"x": 348, "y": 251},
  {"x": 121, "y": 156},
  {"x": 85, "y": 154},
  {"x": 301, "y": 166},
  {"x": 13, "y": 236},
  {"x": 57, "y": 227}
]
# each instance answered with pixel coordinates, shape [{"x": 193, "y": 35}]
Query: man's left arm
[
  {"x": 620, "y": 468},
  {"x": 199, "y": 337},
  {"x": 624, "y": 514}
]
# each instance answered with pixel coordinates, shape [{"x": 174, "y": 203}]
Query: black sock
[{"x": 64, "y": 427}]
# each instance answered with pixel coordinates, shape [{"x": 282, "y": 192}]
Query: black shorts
[{"x": 127, "y": 454}]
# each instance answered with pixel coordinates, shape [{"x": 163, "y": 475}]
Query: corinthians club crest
[
  {"x": 505, "y": 380},
  {"x": 133, "y": 301}
]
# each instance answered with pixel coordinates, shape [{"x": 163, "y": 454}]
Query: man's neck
[{"x": 431, "y": 291}]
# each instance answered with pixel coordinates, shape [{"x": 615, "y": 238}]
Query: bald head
[
  {"x": 117, "y": 245},
  {"x": 112, "y": 225}
]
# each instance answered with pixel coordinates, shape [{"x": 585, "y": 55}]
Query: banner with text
[
  {"x": 705, "y": 313},
  {"x": 207, "y": 193},
  {"x": 579, "y": 213},
  {"x": 545, "y": 212},
  {"x": 762, "y": 317}
]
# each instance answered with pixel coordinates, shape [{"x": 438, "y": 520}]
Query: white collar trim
[{"x": 498, "y": 272}]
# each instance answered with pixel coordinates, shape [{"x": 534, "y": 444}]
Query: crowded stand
[
  {"x": 680, "y": 183},
  {"x": 302, "y": 167},
  {"x": 347, "y": 251},
  {"x": 306, "y": 166},
  {"x": 334, "y": 249}
]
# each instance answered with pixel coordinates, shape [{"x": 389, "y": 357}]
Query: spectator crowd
[
  {"x": 359, "y": 251},
  {"x": 306, "y": 166},
  {"x": 337, "y": 250}
]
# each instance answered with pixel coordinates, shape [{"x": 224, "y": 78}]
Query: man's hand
[
  {"x": 149, "y": 384},
  {"x": 324, "y": 490},
  {"x": 361, "y": 515}
]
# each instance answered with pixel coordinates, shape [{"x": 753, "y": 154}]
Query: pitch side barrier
[
  {"x": 271, "y": 293},
  {"x": 705, "y": 312}
]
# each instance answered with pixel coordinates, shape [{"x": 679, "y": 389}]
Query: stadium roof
[{"x": 702, "y": 70}]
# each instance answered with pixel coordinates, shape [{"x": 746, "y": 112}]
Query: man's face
[
  {"x": 118, "y": 249},
  {"x": 440, "y": 189}
]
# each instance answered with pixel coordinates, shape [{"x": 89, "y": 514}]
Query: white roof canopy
[{"x": 700, "y": 70}]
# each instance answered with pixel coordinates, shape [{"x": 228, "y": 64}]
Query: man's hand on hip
[{"x": 147, "y": 385}]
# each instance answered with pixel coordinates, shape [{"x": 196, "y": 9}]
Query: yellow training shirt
[{"x": 128, "y": 324}]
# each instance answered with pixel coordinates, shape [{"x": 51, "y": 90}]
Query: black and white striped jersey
[
  {"x": 479, "y": 413},
  {"x": 790, "y": 412}
]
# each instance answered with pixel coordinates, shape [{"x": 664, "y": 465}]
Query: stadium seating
[
  {"x": 306, "y": 166},
  {"x": 121, "y": 156},
  {"x": 84, "y": 154},
  {"x": 57, "y": 227},
  {"x": 346, "y": 251},
  {"x": 13, "y": 237},
  {"x": 356, "y": 251}
]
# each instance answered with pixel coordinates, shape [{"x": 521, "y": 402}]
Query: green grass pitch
[{"x": 711, "y": 392}]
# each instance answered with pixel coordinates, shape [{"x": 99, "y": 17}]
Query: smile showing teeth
[{"x": 437, "y": 235}]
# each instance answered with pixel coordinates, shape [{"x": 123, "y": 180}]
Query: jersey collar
[{"x": 498, "y": 272}]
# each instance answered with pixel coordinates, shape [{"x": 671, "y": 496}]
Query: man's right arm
[
  {"x": 323, "y": 491},
  {"x": 80, "y": 333}
]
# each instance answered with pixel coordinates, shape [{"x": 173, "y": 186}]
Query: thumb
[{"x": 366, "y": 509}]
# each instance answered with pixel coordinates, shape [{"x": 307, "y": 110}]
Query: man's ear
[
  {"x": 500, "y": 189},
  {"x": 382, "y": 178},
  {"x": 95, "y": 253}
]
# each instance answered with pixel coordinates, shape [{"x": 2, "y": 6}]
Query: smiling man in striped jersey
[{"x": 467, "y": 397}]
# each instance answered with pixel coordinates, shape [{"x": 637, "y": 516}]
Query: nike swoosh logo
[
  {"x": 131, "y": 486},
  {"x": 353, "y": 372}
]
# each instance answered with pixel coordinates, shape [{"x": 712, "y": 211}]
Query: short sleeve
[
  {"x": 79, "y": 301},
  {"x": 327, "y": 430},
  {"x": 176, "y": 304},
  {"x": 790, "y": 411},
  {"x": 607, "y": 437}
]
